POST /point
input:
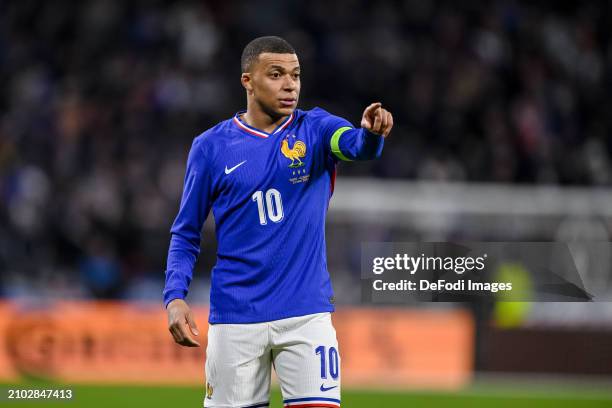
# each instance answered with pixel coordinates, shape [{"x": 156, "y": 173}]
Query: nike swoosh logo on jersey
[
  {"x": 323, "y": 388},
  {"x": 228, "y": 171}
]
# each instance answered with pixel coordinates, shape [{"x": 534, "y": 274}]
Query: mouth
[{"x": 287, "y": 102}]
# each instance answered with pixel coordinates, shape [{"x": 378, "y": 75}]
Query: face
[{"x": 274, "y": 83}]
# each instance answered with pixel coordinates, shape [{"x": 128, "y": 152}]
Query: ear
[{"x": 247, "y": 82}]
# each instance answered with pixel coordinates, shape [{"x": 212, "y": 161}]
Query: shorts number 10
[{"x": 333, "y": 362}]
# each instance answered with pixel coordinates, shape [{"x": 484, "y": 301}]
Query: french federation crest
[
  {"x": 209, "y": 390},
  {"x": 294, "y": 153}
]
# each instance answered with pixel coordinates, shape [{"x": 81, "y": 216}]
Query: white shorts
[{"x": 303, "y": 351}]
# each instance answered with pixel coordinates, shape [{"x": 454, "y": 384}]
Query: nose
[{"x": 289, "y": 84}]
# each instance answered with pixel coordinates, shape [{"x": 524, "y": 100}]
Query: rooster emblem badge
[{"x": 294, "y": 153}]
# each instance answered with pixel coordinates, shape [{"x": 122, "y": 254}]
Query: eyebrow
[{"x": 282, "y": 68}]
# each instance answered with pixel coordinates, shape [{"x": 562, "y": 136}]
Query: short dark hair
[{"x": 260, "y": 45}]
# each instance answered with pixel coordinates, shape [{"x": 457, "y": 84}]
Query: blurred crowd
[{"x": 99, "y": 102}]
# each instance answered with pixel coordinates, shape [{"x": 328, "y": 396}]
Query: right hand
[
  {"x": 181, "y": 323},
  {"x": 377, "y": 120}
]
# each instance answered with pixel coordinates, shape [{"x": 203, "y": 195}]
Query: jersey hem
[{"x": 233, "y": 318}]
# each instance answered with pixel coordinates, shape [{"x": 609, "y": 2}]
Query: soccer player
[{"x": 268, "y": 174}]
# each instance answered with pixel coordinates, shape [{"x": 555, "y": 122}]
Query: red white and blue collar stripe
[{"x": 258, "y": 132}]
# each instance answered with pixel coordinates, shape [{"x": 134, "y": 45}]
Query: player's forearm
[
  {"x": 182, "y": 256},
  {"x": 356, "y": 144}
]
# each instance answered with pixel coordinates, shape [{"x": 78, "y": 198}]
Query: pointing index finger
[{"x": 372, "y": 107}]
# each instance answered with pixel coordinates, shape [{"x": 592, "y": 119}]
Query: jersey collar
[{"x": 261, "y": 133}]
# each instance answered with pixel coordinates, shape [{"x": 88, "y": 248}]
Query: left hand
[
  {"x": 377, "y": 120},
  {"x": 182, "y": 324}
]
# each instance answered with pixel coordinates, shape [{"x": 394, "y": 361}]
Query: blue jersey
[{"x": 269, "y": 193}]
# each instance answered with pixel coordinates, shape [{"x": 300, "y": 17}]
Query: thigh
[
  {"x": 238, "y": 360},
  {"x": 307, "y": 360}
]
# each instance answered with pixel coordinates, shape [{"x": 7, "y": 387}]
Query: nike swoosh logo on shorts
[
  {"x": 323, "y": 388},
  {"x": 228, "y": 171}
]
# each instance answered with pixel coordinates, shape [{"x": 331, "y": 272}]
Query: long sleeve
[
  {"x": 186, "y": 229},
  {"x": 346, "y": 143}
]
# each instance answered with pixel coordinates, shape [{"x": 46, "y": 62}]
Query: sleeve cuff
[
  {"x": 374, "y": 144},
  {"x": 370, "y": 134},
  {"x": 173, "y": 294}
]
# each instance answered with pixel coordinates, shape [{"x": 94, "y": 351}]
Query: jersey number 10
[{"x": 273, "y": 206}]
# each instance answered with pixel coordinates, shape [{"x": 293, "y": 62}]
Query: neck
[{"x": 259, "y": 119}]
